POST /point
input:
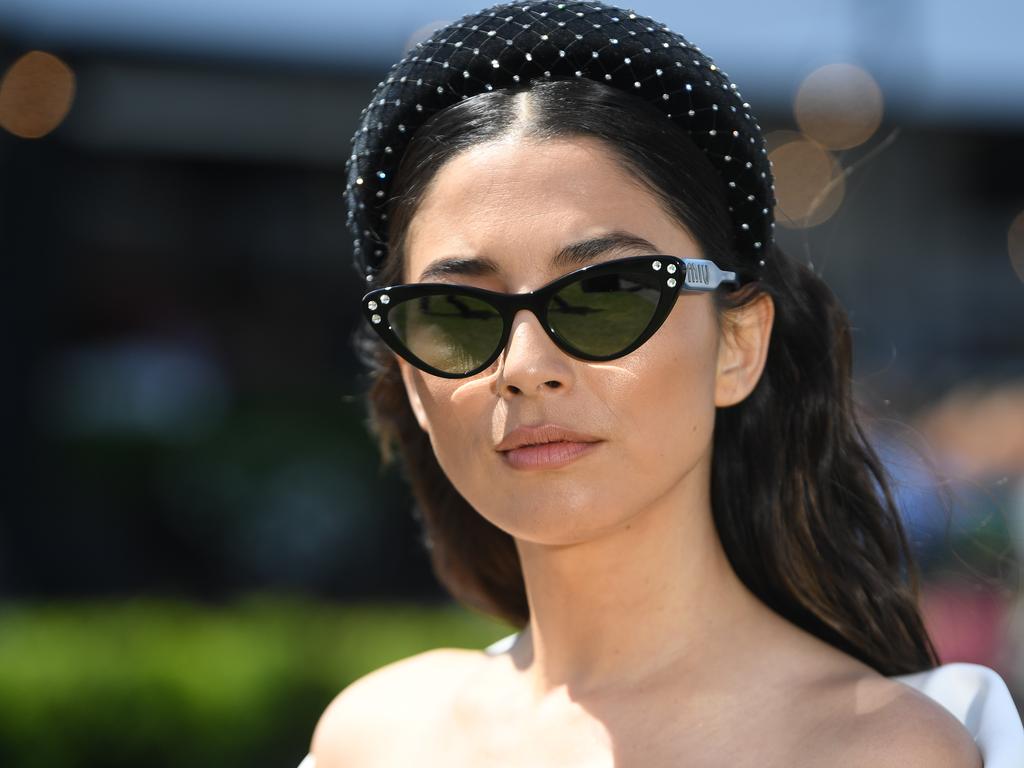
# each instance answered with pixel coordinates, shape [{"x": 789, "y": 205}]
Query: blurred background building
[{"x": 185, "y": 426}]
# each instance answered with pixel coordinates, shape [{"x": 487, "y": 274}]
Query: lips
[
  {"x": 545, "y": 447},
  {"x": 547, "y": 433},
  {"x": 547, "y": 455}
]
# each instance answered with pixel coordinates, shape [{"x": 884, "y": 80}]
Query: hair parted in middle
[{"x": 800, "y": 499}]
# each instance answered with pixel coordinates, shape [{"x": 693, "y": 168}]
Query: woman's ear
[
  {"x": 409, "y": 378},
  {"x": 743, "y": 349}
]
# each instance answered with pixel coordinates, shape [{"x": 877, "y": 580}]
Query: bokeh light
[
  {"x": 979, "y": 431},
  {"x": 839, "y": 106},
  {"x": 1015, "y": 242},
  {"x": 36, "y": 94},
  {"x": 809, "y": 183}
]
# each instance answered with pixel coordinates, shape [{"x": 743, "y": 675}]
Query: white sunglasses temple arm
[{"x": 705, "y": 275}]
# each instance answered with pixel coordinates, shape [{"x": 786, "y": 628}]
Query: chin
[{"x": 556, "y": 519}]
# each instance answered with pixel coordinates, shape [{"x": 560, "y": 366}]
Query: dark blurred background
[{"x": 198, "y": 546}]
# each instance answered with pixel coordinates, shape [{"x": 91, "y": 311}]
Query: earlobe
[
  {"x": 413, "y": 394},
  {"x": 743, "y": 350}
]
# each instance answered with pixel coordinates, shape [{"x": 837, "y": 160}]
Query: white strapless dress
[{"x": 975, "y": 694}]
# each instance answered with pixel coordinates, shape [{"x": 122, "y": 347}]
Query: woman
[{"x": 627, "y": 420}]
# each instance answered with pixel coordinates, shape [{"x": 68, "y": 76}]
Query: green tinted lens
[
  {"x": 448, "y": 331},
  {"x": 604, "y": 314}
]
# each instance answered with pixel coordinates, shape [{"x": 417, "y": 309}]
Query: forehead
[{"x": 516, "y": 202}]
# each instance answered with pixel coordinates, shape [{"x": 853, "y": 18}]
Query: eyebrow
[{"x": 570, "y": 255}]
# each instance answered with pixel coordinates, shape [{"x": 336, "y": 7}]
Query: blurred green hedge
[{"x": 163, "y": 683}]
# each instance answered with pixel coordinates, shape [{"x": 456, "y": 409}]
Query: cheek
[
  {"x": 459, "y": 414},
  {"x": 671, "y": 400}
]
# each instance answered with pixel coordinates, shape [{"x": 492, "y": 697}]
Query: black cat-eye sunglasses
[{"x": 599, "y": 312}]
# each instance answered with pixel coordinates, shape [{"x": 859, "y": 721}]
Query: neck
[{"x": 610, "y": 614}]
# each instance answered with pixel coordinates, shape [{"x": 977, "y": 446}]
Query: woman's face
[{"x": 517, "y": 203}]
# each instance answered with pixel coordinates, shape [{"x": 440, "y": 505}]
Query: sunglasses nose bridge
[
  {"x": 533, "y": 301},
  {"x": 534, "y": 304},
  {"x": 517, "y": 317}
]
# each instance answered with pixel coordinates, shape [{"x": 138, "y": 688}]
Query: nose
[{"x": 531, "y": 363}]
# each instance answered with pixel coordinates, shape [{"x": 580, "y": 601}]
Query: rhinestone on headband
[{"x": 509, "y": 45}]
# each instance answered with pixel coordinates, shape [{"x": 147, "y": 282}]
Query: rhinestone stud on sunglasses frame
[{"x": 599, "y": 312}]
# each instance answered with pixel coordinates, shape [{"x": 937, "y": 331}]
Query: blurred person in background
[{"x": 656, "y": 471}]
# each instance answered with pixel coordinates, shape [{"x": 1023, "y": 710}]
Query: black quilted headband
[{"x": 509, "y": 45}]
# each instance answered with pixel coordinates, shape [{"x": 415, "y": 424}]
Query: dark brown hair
[{"x": 800, "y": 499}]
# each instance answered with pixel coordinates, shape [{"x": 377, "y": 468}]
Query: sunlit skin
[{"x": 643, "y": 645}]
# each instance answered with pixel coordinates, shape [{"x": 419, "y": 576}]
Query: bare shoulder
[
  {"x": 852, "y": 716},
  {"x": 363, "y": 716},
  {"x": 885, "y": 723}
]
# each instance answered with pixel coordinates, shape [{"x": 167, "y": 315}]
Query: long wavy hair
[{"x": 801, "y": 501}]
